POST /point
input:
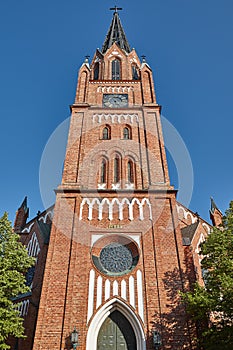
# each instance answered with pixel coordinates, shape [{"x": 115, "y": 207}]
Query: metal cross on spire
[
  {"x": 116, "y": 9},
  {"x": 116, "y": 33}
]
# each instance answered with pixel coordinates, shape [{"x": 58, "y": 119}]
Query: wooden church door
[{"x": 116, "y": 333}]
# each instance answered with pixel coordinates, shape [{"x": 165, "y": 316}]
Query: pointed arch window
[
  {"x": 130, "y": 171},
  {"x": 96, "y": 71},
  {"x": 106, "y": 133},
  {"x": 135, "y": 75},
  {"x": 116, "y": 70},
  {"x": 103, "y": 171},
  {"x": 116, "y": 169},
  {"x": 127, "y": 133}
]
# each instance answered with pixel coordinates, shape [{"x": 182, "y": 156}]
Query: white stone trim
[
  {"x": 45, "y": 217},
  {"x": 104, "y": 312},
  {"x": 42, "y": 218},
  {"x": 28, "y": 229},
  {"x": 140, "y": 295},
  {"x": 91, "y": 294},
  {"x": 107, "y": 289},
  {"x": 206, "y": 228},
  {"x": 123, "y": 290},
  {"x": 186, "y": 213},
  {"x": 99, "y": 291},
  {"x": 115, "y": 288},
  {"x": 131, "y": 291}
]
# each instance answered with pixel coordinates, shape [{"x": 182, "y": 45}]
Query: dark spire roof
[
  {"x": 213, "y": 206},
  {"x": 116, "y": 34},
  {"x": 24, "y": 205}
]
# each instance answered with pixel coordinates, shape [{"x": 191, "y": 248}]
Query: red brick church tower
[{"x": 115, "y": 262}]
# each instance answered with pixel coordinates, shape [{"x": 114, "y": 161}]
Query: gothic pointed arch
[
  {"x": 103, "y": 170},
  {"x": 116, "y": 69},
  {"x": 127, "y": 133},
  {"x": 135, "y": 72},
  {"x": 106, "y": 132},
  {"x": 130, "y": 171},
  {"x": 96, "y": 71},
  {"x": 116, "y": 168},
  {"x": 104, "y": 312}
]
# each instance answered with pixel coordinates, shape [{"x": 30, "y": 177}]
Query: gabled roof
[
  {"x": 116, "y": 34},
  {"x": 188, "y": 233}
]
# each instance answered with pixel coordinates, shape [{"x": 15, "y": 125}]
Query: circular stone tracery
[
  {"x": 116, "y": 258},
  {"x": 115, "y": 255}
]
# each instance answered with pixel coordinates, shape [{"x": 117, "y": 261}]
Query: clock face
[{"x": 115, "y": 100}]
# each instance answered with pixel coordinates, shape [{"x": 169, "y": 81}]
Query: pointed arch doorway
[
  {"x": 116, "y": 333},
  {"x": 102, "y": 315}
]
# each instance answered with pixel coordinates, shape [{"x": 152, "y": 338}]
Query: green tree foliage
[
  {"x": 212, "y": 306},
  {"x": 14, "y": 263}
]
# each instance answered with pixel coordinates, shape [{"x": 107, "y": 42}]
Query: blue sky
[{"x": 188, "y": 45}]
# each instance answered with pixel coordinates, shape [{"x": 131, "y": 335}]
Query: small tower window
[
  {"x": 116, "y": 169},
  {"x": 96, "y": 71},
  {"x": 103, "y": 172},
  {"x": 126, "y": 133},
  {"x": 106, "y": 133},
  {"x": 116, "y": 70},
  {"x": 135, "y": 73},
  {"x": 130, "y": 171}
]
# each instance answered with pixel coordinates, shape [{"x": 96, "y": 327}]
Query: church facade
[{"x": 117, "y": 248}]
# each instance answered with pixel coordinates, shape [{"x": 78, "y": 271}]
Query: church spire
[
  {"x": 21, "y": 216},
  {"x": 116, "y": 34}
]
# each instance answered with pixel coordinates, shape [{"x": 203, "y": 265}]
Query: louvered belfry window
[
  {"x": 130, "y": 171},
  {"x": 116, "y": 70},
  {"x": 116, "y": 169},
  {"x": 126, "y": 133},
  {"x": 103, "y": 174},
  {"x": 106, "y": 133}
]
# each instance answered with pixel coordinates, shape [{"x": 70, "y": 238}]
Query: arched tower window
[
  {"x": 106, "y": 133},
  {"x": 130, "y": 171},
  {"x": 103, "y": 171},
  {"x": 127, "y": 133},
  {"x": 96, "y": 71},
  {"x": 116, "y": 169},
  {"x": 135, "y": 75},
  {"x": 116, "y": 70}
]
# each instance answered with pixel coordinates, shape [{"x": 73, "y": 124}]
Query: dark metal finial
[
  {"x": 87, "y": 58},
  {"x": 143, "y": 58},
  {"x": 116, "y": 9}
]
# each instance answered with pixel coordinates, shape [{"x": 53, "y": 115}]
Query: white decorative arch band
[
  {"x": 48, "y": 214},
  {"x": 115, "y": 118},
  {"x": 114, "y": 89},
  {"x": 91, "y": 202},
  {"x": 104, "y": 312},
  {"x": 43, "y": 218},
  {"x": 185, "y": 214}
]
